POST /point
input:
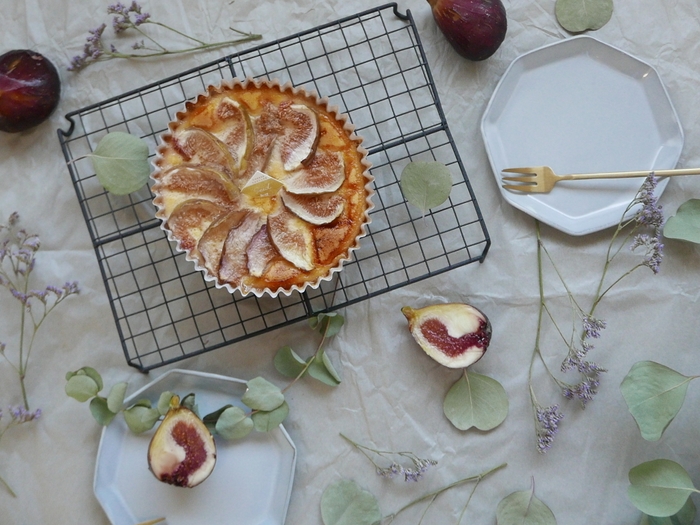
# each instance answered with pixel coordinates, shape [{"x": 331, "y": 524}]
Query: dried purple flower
[
  {"x": 22, "y": 415},
  {"x": 592, "y": 327},
  {"x": 583, "y": 391},
  {"x": 547, "y": 426},
  {"x": 653, "y": 249}
]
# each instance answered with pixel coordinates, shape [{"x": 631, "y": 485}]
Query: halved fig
[
  {"x": 324, "y": 173},
  {"x": 315, "y": 209},
  {"x": 293, "y": 238},
  {"x": 211, "y": 245},
  {"x": 301, "y": 134},
  {"x": 455, "y": 335},
  {"x": 190, "y": 219},
  {"x": 182, "y": 451}
]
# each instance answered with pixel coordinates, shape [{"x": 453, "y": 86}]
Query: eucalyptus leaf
[
  {"x": 81, "y": 387},
  {"x": 211, "y": 419},
  {"x": 524, "y": 508},
  {"x": 581, "y": 15},
  {"x": 233, "y": 423},
  {"x": 143, "y": 402},
  {"x": 329, "y": 367},
  {"x": 328, "y": 324},
  {"x": 94, "y": 374},
  {"x": 99, "y": 408},
  {"x": 685, "y": 224},
  {"x": 164, "y": 402},
  {"x": 139, "y": 418},
  {"x": 654, "y": 394},
  {"x": 262, "y": 395},
  {"x": 115, "y": 399},
  {"x": 685, "y": 516},
  {"x": 346, "y": 503},
  {"x": 288, "y": 363},
  {"x": 426, "y": 185},
  {"x": 121, "y": 162},
  {"x": 660, "y": 487},
  {"x": 476, "y": 401},
  {"x": 189, "y": 402},
  {"x": 319, "y": 371},
  {"x": 266, "y": 421}
]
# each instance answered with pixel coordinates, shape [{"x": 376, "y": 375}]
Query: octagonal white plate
[
  {"x": 251, "y": 483},
  {"x": 580, "y": 105}
]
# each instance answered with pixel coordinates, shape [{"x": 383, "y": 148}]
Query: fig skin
[
  {"x": 474, "y": 28},
  {"x": 182, "y": 451},
  {"x": 456, "y": 335},
  {"x": 30, "y": 89}
]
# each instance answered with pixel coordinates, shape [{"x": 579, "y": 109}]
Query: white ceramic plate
[
  {"x": 250, "y": 485},
  {"x": 580, "y": 105}
]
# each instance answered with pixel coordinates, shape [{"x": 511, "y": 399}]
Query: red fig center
[
  {"x": 436, "y": 334},
  {"x": 188, "y": 438}
]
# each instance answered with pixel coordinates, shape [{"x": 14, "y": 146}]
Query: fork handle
[{"x": 625, "y": 174}]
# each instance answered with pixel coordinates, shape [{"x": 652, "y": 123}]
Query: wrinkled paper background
[{"x": 392, "y": 393}]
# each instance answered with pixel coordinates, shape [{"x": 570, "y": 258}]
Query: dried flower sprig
[
  {"x": 643, "y": 229},
  {"x": 17, "y": 260},
  {"x": 419, "y": 466},
  {"x": 133, "y": 18}
]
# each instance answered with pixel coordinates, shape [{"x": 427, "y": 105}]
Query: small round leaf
[
  {"x": 319, "y": 371},
  {"x": 426, "y": 185},
  {"x": 140, "y": 418},
  {"x": 476, "y": 401},
  {"x": 115, "y": 399},
  {"x": 346, "y": 503},
  {"x": 121, "y": 163},
  {"x": 580, "y": 15},
  {"x": 267, "y": 421},
  {"x": 99, "y": 409},
  {"x": 524, "y": 508},
  {"x": 262, "y": 395},
  {"x": 233, "y": 423},
  {"x": 659, "y": 487},
  {"x": 163, "y": 405},
  {"x": 81, "y": 387},
  {"x": 288, "y": 363},
  {"x": 685, "y": 224},
  {"x": 686, "y": 516}
]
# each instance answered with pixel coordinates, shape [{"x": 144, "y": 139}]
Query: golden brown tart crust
[{"x": 264, "y": 186}]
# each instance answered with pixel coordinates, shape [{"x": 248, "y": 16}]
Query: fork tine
[
  {"x": 526, "y": 178},
  {"x": 526, "y": 188},
  {"x": 524, "y": 171}
]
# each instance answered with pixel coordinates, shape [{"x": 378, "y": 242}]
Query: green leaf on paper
[
  {"x": 654, "y": 394},
  {"x": 211, "y": 419},
  {"x": 319, "y": 369},
  {"x": 685, "y": 516},
  {"x": 100, "y": 410},
  {"x": 262, "y": 395},
  {"x": 426, "y": 185},
  {"x": 115, "y": 399},
  {"x": 660, "y": 487},
  {"x": 140, "y": 418},
  {"x": 233, "y": 423},
  {"x": 121, "y": 162},
  {"x": 581, "y": 15},
  {"x": 288, "y": 363},
  {"x": 81, "y": 387},
  {"x": 327, "y": 324},
  {"x": 476, "y": 401},
  {"x": 266, "y": 421},
  {"x": 524, "y": 508},
  {"x": 346, "y": 503},
  {"x": 685, "y": 225}
]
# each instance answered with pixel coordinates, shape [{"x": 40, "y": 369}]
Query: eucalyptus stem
[{"x": 434, "y": 494}]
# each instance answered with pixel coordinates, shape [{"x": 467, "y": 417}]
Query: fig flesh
[
  {"x": 474, "y": 28},
  {"x": 182, "y": 451},
  {"x": 29, "y": 90},
  {"x": 455, "y": 335}
]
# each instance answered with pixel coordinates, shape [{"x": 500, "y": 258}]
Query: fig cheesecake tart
[{"x": 265, "y": 186}]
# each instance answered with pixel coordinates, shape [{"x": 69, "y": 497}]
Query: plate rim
[
  {"x": 206, "y": 376},
  {"x": 594, "y": 226}
]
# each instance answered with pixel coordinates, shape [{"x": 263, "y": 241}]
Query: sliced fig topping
[
  {"x": 194, "y": 182},
  {"x": 211, "y": 245},
  {"x": 293, "y": 238},
  {"x": 456, "y": 335},
  {"x": 190, "y": 219},
  {"x": 234, "y": 263},
  {"x": 237, "y": 133},
  {"x": 182, "y": 451},
  {"x": 315, "y": 209},
  {"x": 260, "y": 252},
  {"x": 324, "y": 173},
  {"x": 266, "y": 128},
  {"x": 198, "y": 146},
  {"x": 301, "y": 133}
]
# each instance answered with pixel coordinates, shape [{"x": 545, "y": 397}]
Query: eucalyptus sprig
[
  {"x": 134, "y": 19},
  {"x": 319, "y": 366},
  {"x": 639, "y": 230},
  {"x": 345, "y": 502},
  {"x": 266, "y": 405}
]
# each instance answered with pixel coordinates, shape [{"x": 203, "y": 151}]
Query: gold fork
[{"x": 541, "y": 179}]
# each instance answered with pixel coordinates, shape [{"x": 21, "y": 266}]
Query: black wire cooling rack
[{"x": 373, "y": 67}]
